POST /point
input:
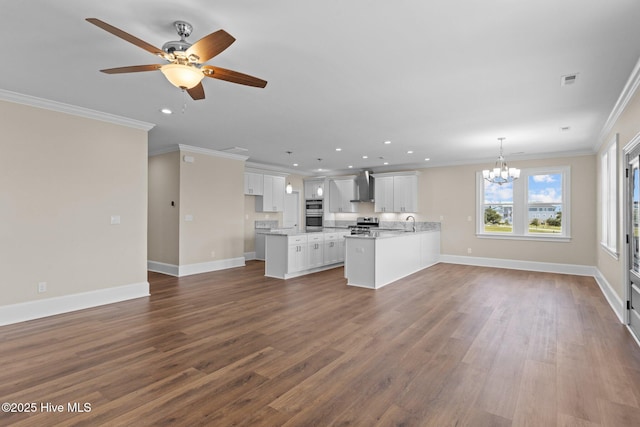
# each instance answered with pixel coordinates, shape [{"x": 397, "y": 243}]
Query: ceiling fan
[{"x": 185, "y": 68}]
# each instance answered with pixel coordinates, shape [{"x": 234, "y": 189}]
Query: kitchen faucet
[{"x": 414, "y": 222}]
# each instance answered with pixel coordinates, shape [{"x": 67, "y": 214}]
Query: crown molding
[
  {"x": 60, "y": 107},
  {"x": 273, "y": 168},
  {"x": 209, "y": 152},
  {"x": 627, "y": 93}
]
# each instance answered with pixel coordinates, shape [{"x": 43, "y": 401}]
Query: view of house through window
[
  {"x": 498, "y": 207},
  {"x": 530, "y": 206},
  {"x": 544, "y": 202}
]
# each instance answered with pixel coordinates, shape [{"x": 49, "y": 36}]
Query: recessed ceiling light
[
  {"x": 166, "y": 111},
  {"x": 385, "y": 163},
  {"x": 410, "y": 152},
  {"x": 295, "y": 164},
  {"x": 387, "y": 142},
  {"x": 350, "y": 166},
  {"x": 427, "y": 159},
  {"x": 338, "y": 149},
  {"x": 365, "y": 157}
]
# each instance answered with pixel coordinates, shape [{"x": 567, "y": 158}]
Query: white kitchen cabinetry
[
  {"x": 315, "y": 248},
  {"x": 383, "y": 194},
  {"x": 272, "y": 199},
  {"x": 341, "y": 192},
  {"x": 396, "y": 192},
  {"x": 405, "y": 193},
  {"x": 298, "y": 258},
  {"x": 253, "y": 183},
  {"x": 332, "y": 249},
  {"x": 313, "y": 189},
  {"x": 295, "y": 255}
]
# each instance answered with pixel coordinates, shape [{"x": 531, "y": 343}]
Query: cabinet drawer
[
  {"x": 316, "y": 237},
  {"x": 330, "y": 236},
  {"x": 293, "y": 240}
]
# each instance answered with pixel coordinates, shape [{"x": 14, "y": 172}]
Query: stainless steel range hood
[{"x": 365, "y": 185}]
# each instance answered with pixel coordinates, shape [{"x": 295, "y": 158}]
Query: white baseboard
[
  {"x": 189, "y": 269},
  {"x": 249, "y": 256},
  {"x": 546, "y": 267},
  {"x": 22, "y": 312},
  {"x": 610, "y": 295},
  {"x": 161, "y": 267},
  {"x": 205, "y": 267}
]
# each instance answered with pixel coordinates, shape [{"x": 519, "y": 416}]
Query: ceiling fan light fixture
[{"x": 182, "y": 76}]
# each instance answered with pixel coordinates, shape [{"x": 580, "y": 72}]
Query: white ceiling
[{"x": 442, "y": 78}]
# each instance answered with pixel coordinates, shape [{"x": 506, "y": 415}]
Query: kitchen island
[
  {"x": 292, "y": 253},
  {"x": 382, "y": 257}
]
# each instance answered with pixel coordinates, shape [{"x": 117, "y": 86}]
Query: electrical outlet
[
  {"x": 468, "y": 250},
  {"x": 213, "y": 254},
  {"x": 42, "y": 287}
]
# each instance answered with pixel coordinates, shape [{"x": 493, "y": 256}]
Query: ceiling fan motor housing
[{"x": 184, "y": 30}]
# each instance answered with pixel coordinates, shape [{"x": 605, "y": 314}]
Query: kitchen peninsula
[{"x": 382, "y": 257}]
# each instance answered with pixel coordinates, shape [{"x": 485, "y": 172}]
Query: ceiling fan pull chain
[{"x": 184, "y": 100}]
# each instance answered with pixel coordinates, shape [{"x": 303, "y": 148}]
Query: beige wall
[
  {"x": 450, "y": 192},
  {"x": 62, "y": 177},
  {"x": 164, "y": 188},
  {"x": 212, "y": 191},
  {"x": 627, "y": 127}
]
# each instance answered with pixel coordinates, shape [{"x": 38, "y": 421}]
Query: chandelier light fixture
[{"x": 501, "y": 173}]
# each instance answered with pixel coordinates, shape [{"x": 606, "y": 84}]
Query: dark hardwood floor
[{"x": 451, "y": 345}]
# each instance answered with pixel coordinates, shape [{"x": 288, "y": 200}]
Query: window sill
[
  {"x": 555, "y": 239},
  {"x": 611, "y": 253}
]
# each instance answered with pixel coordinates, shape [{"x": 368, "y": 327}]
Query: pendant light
[
  {"x": 289, "y": 187},
  {"x": 320, "y": 190},
  {"x": 501, "y": 173}
]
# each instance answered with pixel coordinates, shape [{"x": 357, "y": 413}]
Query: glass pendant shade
[
  {"x": 182, "y": 76},
  {"x": 289, "y": 188}
]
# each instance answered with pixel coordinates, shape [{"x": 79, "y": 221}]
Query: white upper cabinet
[
  {"x": 341, "y": 192},
  {"x": 253, "y": 183},
  {"x": 396, "y": 192},
  {"x": 272, "y": 199},
  {"x": 383, "y": 194},
  {"x": 405, "y": 193},
  {"x": 314, "y": 189}
]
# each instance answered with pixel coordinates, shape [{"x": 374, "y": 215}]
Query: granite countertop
[{"x": 386, "y": 234}]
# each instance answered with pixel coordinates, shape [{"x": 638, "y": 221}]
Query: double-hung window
[{"x": 535, "y": 206}]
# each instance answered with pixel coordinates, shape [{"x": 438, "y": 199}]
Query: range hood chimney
[{"x": 365, "y": 185}]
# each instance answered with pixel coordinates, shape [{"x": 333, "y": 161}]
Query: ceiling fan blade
[
  {"x": 211, "y": 45},
  {"x": 196, "y": 92},
  {"x": 126, "y": 36},
  {"x": 232, "y": 76},
  {"x": 132, "y": 69}
]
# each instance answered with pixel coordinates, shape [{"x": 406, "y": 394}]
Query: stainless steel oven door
[
  {"x": 313, "y": 205},
  {"x": 313, "y": 221}
]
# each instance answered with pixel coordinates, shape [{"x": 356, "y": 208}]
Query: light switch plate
[{"x": 115, "y": 219}]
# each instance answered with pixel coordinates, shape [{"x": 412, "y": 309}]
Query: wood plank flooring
[{"x": 451, "y": 345}]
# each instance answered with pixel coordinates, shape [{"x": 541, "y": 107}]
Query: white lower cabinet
[
  {"x": 298, "y": 259},
  {"x": 291, "y": 256}
]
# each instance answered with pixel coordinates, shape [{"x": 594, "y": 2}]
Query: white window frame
[
  {"x": 521, "y": 207},
  {"x": 609, "y": 196}
]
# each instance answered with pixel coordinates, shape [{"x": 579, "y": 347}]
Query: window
[
  {"x": 609, "y": 187},
  {"x": 534, "y": 207}
]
